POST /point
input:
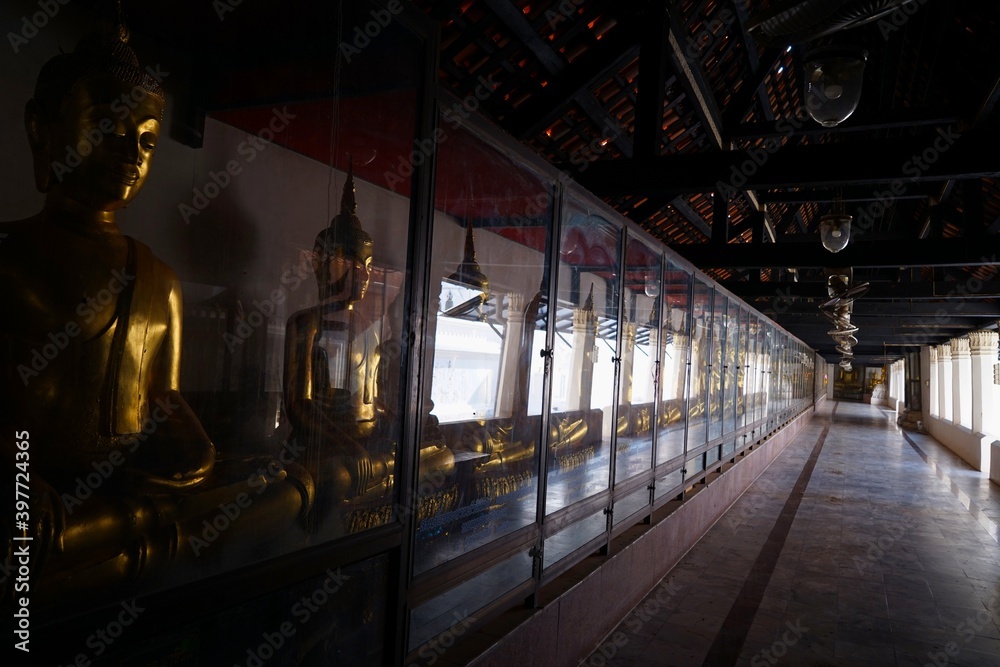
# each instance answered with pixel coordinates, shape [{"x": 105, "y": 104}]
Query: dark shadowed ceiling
[{"x": 916, "y": 164}]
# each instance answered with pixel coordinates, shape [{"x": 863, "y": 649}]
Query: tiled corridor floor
[{"x": 884, "y": 553}]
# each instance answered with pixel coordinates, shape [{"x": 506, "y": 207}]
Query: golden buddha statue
[
  {"x": 334, "y": 386},
  {"x": 331, "y": 363},
  {"x": 122, "y": 472}
]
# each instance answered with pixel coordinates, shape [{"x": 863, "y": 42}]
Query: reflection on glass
[
  {"x": 630, "y": 504},
  {"x": 439, "y": 618},
  {"x": 338, "y": 618},
  {"x": 583, "y": 365},
  {"x": 742, "y": 370},
  {"x": 640, "y": 347},
  {"x": 331, "y": 382},
  {"x": 487, "y": 324},
  {"x": 766, "y": 372},
  {"x": 568, "y": 540},
  {"x": 731, "y": 367},
  {"x": 701, "y": 349},
  {"x": 675, "y": 302},
  {"x": 719, "y": 334},
  {"x": 668, "y": 484}
]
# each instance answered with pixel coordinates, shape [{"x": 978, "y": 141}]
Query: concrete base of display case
[{"x": 580, "y": 608}]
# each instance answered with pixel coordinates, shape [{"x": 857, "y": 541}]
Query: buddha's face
[
  {"x": 102, "y": 143},
  {"x": 347, "y": 277}
]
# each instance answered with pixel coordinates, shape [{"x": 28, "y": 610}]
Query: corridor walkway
[{"x": 861, "y": 545}]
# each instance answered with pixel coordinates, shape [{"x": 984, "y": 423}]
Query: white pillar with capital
[
  {"x": 983, "y": 351},
  {"x": 654, "y": 350},
  {"x": 584, "y": 334},
  {"x": 627, "y": 363},
  {"x": 944, "y": 382},
  {"x": 510, "y": 354},
  {"x": 961, "y": 362},
  {"x": 934, "y": 386}
]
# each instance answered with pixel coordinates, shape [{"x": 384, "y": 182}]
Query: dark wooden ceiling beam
[
  {"x": 894, "y": 254},
  {"x": 972, "y": 205},
  {"x": 825, "y": 165},
  {"x": 720, "y": 218},
  {"x": 692, "y": 79},
  {"x": 654, "y": 70},
  {"x": 989, "y": 103},
  {"x": 859, "y": 122},
  {"x": 867, "y": 311},
  {"x": 879, "y": 333},
  {"x": 554, "y": 64},
  {"x": 691, "y": 216},
  {"x": 849, "y": 194},
  {"x": 742, "y": 101},
  {"x": 949, "y": 293},
  {"x": 994, "y": 226},
  {"x": 611, "y": 54}
]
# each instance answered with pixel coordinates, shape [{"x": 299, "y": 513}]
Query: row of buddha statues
[
  {"x": 109, "y": 401},
  {"x": 126, "y": 487}
]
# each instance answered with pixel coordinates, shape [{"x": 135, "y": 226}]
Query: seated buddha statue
[
  {"x": 122, "y": 471},
  {"x": 338, "y": 398}
]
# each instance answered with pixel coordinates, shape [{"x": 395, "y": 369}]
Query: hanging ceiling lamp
[
  {"x": 833, "y": 79},
  {"x": 835, "y": 227}
]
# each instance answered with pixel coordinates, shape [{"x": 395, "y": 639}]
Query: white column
[
  {"x": 962, "y": 380},
  {"x": 654, "y": 351},
  {"x": 900, "y": 384},
  {"x": 510, "y": 354},
  {"x": 584, "y": 332},
  {"x": 627, "y": 361},
  {"x": 933, "y": 386},
  {"x": 680, "y": 352},
  {"x": 983, "y": 352},
  {"x": 944, "y": 381}
]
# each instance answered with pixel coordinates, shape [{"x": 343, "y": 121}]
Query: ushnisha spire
[
  {"x": 468, "y": 272},
  {"x": 345, "y": 231}
]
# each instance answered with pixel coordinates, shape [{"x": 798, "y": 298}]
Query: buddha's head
[
  {"x": 343, "y": 253},
  {"x": 94, "y": 122}
]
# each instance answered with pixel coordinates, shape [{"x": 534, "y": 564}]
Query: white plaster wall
[{"x": 973, "y": 448}]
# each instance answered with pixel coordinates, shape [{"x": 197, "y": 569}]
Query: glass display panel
[
  {"x": 743, "y": 377},
  {"x": 699, "y": 379},
  {"x": 457, "y": 608},
  {"x": 784, "y": 383},
  {"x": 630, "y": 504},
  {"x": 668, "y": 484},
  {"x": 640, "y": 349},
  {"x": 718, "y": 332},
  {"x": 568, "y": 540},
  {"x": 236, "y": 379},
  {"x": 583, "y": 367},
  {"x": 675, "y": 300},
  {"x": 712, "y": 455},
  {"x": 728, "y": 448},
  {"x": 764, "y": 376},
  {"x": 730, "y": 367},
  {"x": 338, "y": 617},
  {"x": 768, "y": 372},
  {"x": 478, "y": 476},
  {"x": 754, "y": 372},
  {"x": 694, "y": 466}
]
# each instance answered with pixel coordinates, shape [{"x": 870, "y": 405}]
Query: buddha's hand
[
  {"x": 172, "y": 463},
  {"x": 362, "y": 472}
]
